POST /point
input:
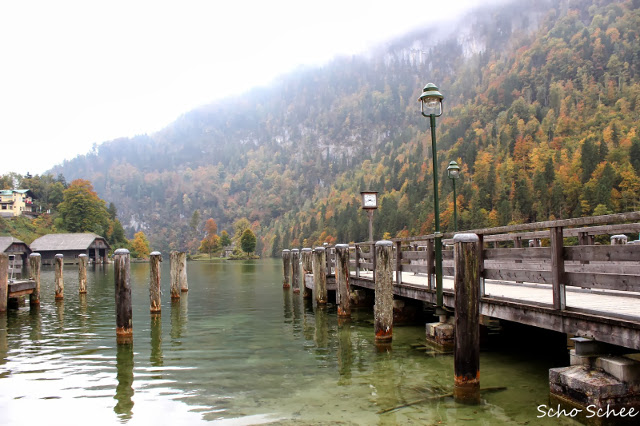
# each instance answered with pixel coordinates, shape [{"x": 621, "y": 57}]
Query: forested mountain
[{"x": 541, "y": 112}]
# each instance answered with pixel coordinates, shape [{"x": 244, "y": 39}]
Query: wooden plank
[
  {"x": 20, "y": 293},
  {"x": 620, "y": 253},
  {"x": 415, "y": 268},
  {"x": 606, "y": 281},
  {"x": 447, "y": 254},
  {"x": 414, "y": 255},
  {"x": 19, "y": 286},
  {"x": 604, "y": 268},
  {"x": 517, "y": 253},
  {"x": 448, "y": 270},
  {"x": 535, "y": 276}
]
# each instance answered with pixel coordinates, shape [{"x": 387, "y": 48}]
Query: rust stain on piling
[
  {"x": 467, "y": 389},
  {"x": 384, "y": 335},
  {"x": 124, "y": 335}
]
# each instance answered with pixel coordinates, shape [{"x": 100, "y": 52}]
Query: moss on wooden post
[
  {"x": 383, "y": 309},
  {"x": 295, "y": 270},
  {"x": 124, "y": 320},
  {"x": 154, "y": 283},
  {"x": 286, "y": 268},
  {"x": 342, "y": 280},
  {"x": 82, "y": 273},
  {"x": 59, "y": 263},
  {"x": 307, "y": 268},
  {"x": 35, "y": 262},
  {"x": 466, "y": 357},
  {"x": 320, "y": 275}
]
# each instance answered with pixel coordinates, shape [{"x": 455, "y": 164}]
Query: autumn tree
[
  {"x": 225, "y": 239},
  {"x": 140, "y": 246},
  {"x": 248, "y": 241},
  {"x": 82, "y": 210},
  {"x": 211, "y": 241}
]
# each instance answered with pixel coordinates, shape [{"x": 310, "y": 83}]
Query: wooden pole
[
  {"x": 320, "y": 275},
  {"x": 307, "y": 268},
  {"x": 466, "y": 357},
  {"x": 175, "y": 284},
  {"x": 154, "y": 282},
  {"x": 182, "y": 272},
  {"x": 82, "y": 273},
  {"x": 383, "y": 309},
  {"x": 557, "y": 268},
  {"x": 124, "y": 324},
  {"x": 35, "y": 260},
  {"x": 342, "y": 280},
  {"x": 4, "y": 281},
  {"x": 286, "y": 267},
  {"x": 620, "y": 239},
  {"x": 295, "y": 270},
  {"x": 59, "y": 261}
]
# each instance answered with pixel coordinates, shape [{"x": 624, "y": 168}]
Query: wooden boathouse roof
[
  {"x": 63, "y": 242},
  {"x": 7, "y": 242}
]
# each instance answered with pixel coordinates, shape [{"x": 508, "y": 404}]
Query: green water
[{"x": 236, "y": 349}]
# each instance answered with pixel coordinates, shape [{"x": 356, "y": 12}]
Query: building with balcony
[{"x": 17, "y": 202}]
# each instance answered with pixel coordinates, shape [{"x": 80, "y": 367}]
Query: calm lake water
[{"x": 236, "y": 349}]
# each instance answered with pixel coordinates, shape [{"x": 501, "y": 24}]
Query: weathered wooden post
[
  {"x": 342, "y": 280},
  {"x": 154, "y": 282},
  {"x": 59, "y": 261},
  {"x": 466, "y": 356},
  {"x": 295, "y": 270},
  {"x": 82, "y": 273},
  {"x": 124, "y": 324},
  {"x": 307, "y": 268},
  {"x": 620, "y": 239},
  {"x": 182, "y": 272},
  {"x": 383, "y": 309},
  {"x": 4, "y": 281},
  {"x": 286, "y": 267},
  {"x": 320, "y": 275},
  {"x": 173, "y": 271},
  {"x": 35, "y": 260},
  {"x": 557, "y": 268}
]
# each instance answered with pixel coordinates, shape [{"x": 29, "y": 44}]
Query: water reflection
[
  {"x": 156, "y": 358},
  {"x": 124, "y": 389},
  {"x": 4, "y": 344},
  {"x": 35, "y": 324},
  {"x": 286, "y": 294},
  {"x": 345, "y": 354},
  {"x": 179, "y": 319},
  {"x": 60, "y": 314},
  {"x": 321, "y": 335}
]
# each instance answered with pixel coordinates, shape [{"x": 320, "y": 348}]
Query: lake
[{"x": 236, "y": 350}]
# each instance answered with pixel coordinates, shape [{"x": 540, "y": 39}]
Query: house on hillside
[
  {"x": 71, "y": 246},
  {"x": 17, "y": 202},
  {"x": 20, "y": 250}
]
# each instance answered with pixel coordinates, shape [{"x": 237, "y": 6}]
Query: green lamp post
[
  {"x": 453, "y": 171},
  {"x": 431, "y": 106}
]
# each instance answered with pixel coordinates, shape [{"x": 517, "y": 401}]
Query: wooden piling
[
  {"x": 154, "y": 282},
  {"x": 286, "y": 267},
  {"x": 307, "y": 268},
  {"x": 124, "y": 322},
  {"x": 619, "y": 239},
  {"x": 295, "y": 270},
  {"x": 467, "y": 318},
  {"x": 175, "y": 280},
  {"x": 383, "y": 309},
  {"x": 319, "y": 266},
  {"x": 82, "y": 273},
  {"x": 182, "y": 272},
  {"x": 35, "y": 261},
  {"x": 59, "y": 263},
  {"x": 4, "y": 281},
  {"x": 342, "y": 280}
]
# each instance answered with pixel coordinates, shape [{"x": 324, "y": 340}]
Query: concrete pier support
[
  {"x": 319, "y": 267},
  {"x": 83, "y": 259},
  {"x": 342, "y": 280},
  {"x": 307, "y": 268},
  {"x": 295, "y": 270},
  {"x": 59, "y": 276},
  {"x": 467, "y": 319},
  {"x": 383, "y": 309},
  {"x": 286, "y": 268},
  {"x": 122, "y": 277},
  {"x": 35, "y": 262}
]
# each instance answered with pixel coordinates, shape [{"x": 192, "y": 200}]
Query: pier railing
[{"x": 557, "y": 253}]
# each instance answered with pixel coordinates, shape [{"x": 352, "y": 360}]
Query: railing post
[
  {"x": 557, "y": 268},
  {"x": 59, "y": 276},
  {"x": 4, "y": 281},
  {"x": 467, "y": 316},
  {"x": 124, "y": 323},
  {"x": 295, "y": 270},
  {"x": 357, "y": 261},
  {"x": 286, "y": 267},
  {"x": 155, "y": 301},
  {"x": 342, "y": 280},
  {"x": 383, "y": 276},
  {"x": 82, "y": 273},
  {"x": 307, "y": 268},
  {"x": 35, "y": 261},
  {"x": 620, "y": 239},
  {"x": 320, "y": 275},
  {"x": 583, "y": 240},
  {"x": 399, "y": 262},
  {"x": 481, "y": 289}
]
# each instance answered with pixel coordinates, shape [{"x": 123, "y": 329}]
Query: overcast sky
[{"x": 75, "y": 73}]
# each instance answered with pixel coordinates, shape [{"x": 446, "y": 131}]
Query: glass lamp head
[
  {"x": 431, "y": 101},
  {"x": 453, "y": 171}
]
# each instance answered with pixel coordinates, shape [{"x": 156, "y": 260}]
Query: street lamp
[
  {"x": 431, "y": 106},
  {"x": 453, "y": 171},
  {"x": 370, "y": 203}
]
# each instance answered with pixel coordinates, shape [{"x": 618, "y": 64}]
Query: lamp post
[
  {"x": 431, "y": 106},
  {"x": 370, "y": 203},
  {"x": 453, "y": 171}
]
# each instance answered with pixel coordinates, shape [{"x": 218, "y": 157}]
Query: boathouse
[
  {"x": 71, "y": 246},
  {"x": 19, "y": 249}
]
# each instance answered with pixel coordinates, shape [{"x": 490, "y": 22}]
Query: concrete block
[
  {"x": 624, "y": 369},
  {"x": 585, "y": 361}
]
